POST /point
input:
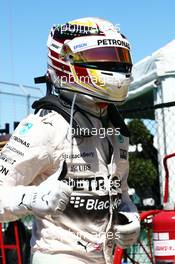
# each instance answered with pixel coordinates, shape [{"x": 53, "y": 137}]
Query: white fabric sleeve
[
  {"x": 48, "y": 198},
  {"x": 126, "y": 204},
  {"x": 29, "y": 155}
]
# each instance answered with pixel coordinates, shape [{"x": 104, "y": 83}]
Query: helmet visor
[{"x": 103, "y": 54}]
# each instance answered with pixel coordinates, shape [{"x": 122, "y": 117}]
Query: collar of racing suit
[
  {"x": 84, "y": 106},
  {"x": 91, "y": 106},
  {"x": 87, "y": 103}
]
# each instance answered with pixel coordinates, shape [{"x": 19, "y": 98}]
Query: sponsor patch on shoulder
[{"x": 25, "y": 128}]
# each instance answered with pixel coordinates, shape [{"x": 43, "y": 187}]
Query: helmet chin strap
[{"x": 88, "y": 104}]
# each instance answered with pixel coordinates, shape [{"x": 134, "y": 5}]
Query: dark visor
[
  {"x": 107, "y": 66},
  {"x": 105, "y": 54},
  {"x": 107, "y": 59}
]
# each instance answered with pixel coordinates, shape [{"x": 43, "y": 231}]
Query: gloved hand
[
  {"x": 128, "y": 229},
  {"x": 48, "y": 198}
]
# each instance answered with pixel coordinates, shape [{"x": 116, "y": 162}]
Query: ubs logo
[{"x": 80, "y": 167}]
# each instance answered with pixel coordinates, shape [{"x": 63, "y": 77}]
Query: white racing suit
[{"x": 97, "y": 170}]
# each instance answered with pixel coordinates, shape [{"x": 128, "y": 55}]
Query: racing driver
[{"x": 67, "y": 164}]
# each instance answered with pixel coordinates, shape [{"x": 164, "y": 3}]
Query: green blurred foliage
[
  {"x": 143, "y": 171},
  {"x": 139, "y": 132}
]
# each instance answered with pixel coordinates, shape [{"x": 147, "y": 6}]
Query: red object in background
[
  {"x": 164, "y": 237},
  {"x": 166, "y": 191},
  {"x": 15, "y": 246},
  {"x": 118, "y": 254},
  {"x": 163, "y": 222}
]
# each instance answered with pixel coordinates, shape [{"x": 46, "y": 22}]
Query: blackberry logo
[
  {"x": 90, "y": 204},
  {"x": 77, "y": 201}
]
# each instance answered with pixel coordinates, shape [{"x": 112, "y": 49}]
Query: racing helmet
[{"x": 90, "y": 56}]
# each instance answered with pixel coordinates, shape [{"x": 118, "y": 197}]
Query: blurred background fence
[
  {"x": 149, "y": 142},
  {"x": 16, "y": 101}
]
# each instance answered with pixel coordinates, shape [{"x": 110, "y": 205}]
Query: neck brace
[{"x": 81, "y": 121}]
